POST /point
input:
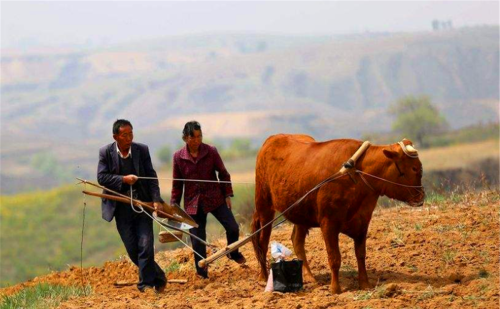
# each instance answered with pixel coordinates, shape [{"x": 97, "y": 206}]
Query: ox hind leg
[
  {"x": 260, "y": 241},
  {"x": 299, "y": 239},
  {"x": 360, "y": 250},
  {"x": 331, "y": 231}
]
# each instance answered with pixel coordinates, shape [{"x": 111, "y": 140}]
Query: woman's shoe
[
  {"x": 203, "y": 275},
  {"x": 237, "y": 257}
]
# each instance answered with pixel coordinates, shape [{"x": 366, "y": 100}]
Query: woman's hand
[{"x": 228, "y": 202}]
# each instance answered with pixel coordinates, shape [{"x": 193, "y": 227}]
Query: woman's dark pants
[{"x": 224, "y": 215}]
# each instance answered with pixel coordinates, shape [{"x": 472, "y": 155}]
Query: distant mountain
[{"x": 237, "y": 85}]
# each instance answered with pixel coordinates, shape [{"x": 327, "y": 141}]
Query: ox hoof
[
  {"x": 336, "y": 290},
  {"x": 364, "y": 286},
  {"x": 262, "y": 278}
]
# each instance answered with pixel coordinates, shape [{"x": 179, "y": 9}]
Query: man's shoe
[{"x": 238, "y": 258}]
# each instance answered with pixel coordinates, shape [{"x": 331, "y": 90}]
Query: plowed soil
[{"x": 441, "y": 255}]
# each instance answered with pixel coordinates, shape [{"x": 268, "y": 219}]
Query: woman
[{"x": 200, "y": 161}]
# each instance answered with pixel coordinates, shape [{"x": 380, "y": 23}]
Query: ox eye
[{"x": 415, "y": 169}]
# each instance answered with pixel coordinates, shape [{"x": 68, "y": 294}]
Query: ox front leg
[
  {"x": 360, "y": 249},
  {"x": 331, "y": 232}
]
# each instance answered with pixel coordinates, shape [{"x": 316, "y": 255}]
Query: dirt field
[{"x": 439, "y": 256}]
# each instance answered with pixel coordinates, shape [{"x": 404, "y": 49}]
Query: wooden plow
[{"x": 178, "y": 220}]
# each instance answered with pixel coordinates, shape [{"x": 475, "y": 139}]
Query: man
[{"x": 120, "y": 164}]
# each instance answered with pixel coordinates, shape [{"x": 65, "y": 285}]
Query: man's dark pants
[
  {"x": 136, "y": 232},
  {"x": 224, "y": 215}
]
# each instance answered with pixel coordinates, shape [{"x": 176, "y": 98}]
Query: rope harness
[{"x": 346, "y": 166}]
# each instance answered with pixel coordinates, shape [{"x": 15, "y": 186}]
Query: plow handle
[{"x": 230, "y": 248}]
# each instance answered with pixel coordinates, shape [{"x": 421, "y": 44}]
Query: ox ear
[{"x": 393, "y": 155}]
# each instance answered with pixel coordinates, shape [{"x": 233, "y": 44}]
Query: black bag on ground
[{"x": 287, "y": 276}]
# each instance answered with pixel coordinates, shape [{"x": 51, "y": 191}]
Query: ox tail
[{"x": 259, "y": 254}]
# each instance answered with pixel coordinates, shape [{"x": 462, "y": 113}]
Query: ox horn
[{"x": 411, "y": 149}]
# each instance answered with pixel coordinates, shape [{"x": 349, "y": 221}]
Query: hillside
[
  {"x": 42, "y": 229},
  {"x": 41, "y": 232},
  {"x": 442, "y": 255},
  {"x": 237, "y": 85}
]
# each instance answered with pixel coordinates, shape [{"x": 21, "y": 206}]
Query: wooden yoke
[
  {"x": 232, "y": 247},
  {"x": 352, "y": 161}
]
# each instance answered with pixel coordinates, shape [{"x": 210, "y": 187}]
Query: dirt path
[{"x": 441, "y": 255}]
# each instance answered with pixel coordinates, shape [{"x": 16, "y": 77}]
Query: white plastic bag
[{"x": 279, "y": 252}]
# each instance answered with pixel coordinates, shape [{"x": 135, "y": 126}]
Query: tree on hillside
[
  {"x": 48, "y": 164},
  {"x": 417, "y": 118},
  {"x": 240, "y": 148},
  {"x": 216, "y": 143}
]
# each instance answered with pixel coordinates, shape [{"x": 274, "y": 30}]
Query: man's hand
[
  {"x": 130, "y": 179},
  {"x": 228, "y": 202},
  {"x": 158, "y": 206}
]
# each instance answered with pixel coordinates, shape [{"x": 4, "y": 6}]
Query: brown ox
[{"x": 288, "y": 166}]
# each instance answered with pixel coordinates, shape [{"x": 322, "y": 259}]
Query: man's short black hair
[
  {"x": 190, "y": 127},
  {"x": 120, "y": 123}
]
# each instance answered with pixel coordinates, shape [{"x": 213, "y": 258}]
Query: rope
[
  {"x": 322, "y": 183},
  {"x": 81, "y": 243},
  {"x": 331, "y": 178},
  {"x": 365, "y": 181},
  {"x": 394, "y": 183},
  {"x": 319, "y": 185},
  {"x": 141, "y": 210},
  {"x": 252, "y": 183},
  {"x": 198, "y": 180}
]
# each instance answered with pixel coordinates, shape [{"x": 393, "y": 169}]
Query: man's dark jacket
[{"x": 108, "y": 175}]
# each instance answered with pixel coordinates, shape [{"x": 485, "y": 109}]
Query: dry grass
[{"x": 458, "y": 156}]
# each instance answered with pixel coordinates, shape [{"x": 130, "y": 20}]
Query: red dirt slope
[{"x": 441, "y": 255}]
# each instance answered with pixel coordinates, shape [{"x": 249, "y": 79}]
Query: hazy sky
[{"x": 77, "y": 22}]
